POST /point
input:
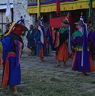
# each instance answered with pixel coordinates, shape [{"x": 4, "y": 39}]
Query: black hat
[
  {"x": 79, "y": 23},
  {"x": 66, "y": 21}
]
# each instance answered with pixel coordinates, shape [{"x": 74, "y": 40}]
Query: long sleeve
[{"x": 18, "y": 50}]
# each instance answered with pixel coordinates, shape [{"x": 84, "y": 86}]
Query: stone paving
[{"x": 45, "y": 79}]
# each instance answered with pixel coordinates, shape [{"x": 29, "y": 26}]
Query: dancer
[
  {"x": 62, "y": 50},
  {"x": 10, "y": 51},
  {"x": 82, "y": 60}
]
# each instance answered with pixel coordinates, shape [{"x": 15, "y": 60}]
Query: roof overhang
[
  {"x": 4, "y": 6},
  {"x": 64, "y": 6}
]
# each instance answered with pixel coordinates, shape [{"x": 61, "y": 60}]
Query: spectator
[{"x": 31, "y": 40}]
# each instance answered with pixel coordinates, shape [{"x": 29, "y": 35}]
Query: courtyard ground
[{"x": 45, "y": 79}]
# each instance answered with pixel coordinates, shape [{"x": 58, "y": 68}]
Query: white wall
[
  {"x": 20, "y": 9},
  {"x": 4, "y": 1}
]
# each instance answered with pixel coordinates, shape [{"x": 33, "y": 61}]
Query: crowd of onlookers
[{"x": 34, "y": 42}]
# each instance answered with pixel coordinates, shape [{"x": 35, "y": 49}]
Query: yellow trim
[
  {"x": 64, "y": 6},
  {"x": 10, "y": 29},
  {"x": 80, "y": 49}
]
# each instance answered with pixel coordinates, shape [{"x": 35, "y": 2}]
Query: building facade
[
  {"x": 75, "y": 7},
  {"x": 18, "y": 9},
  {"x": 3, "y": 20}
]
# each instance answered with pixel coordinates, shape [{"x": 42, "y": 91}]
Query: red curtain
[{"x": 56, "y": 22}]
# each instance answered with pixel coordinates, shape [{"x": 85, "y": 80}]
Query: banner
[
  {"x": 56, "y": 22},
  {"x": 58, "y": 7},
  {"x": 8, "y": 10}
]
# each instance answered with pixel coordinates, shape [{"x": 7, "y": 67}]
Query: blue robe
[
  {"x": 38, "y": 42},
  {"x": 91, "y": 40},
  {"x": 11, "y": 56},
  {"x": 82, "y": 60},
  {"x": 31, "y": 39}
]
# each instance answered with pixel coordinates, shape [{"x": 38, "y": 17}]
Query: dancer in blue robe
[
  {"x": 10, "y": 48},
  {"x": 82, "y": 60}
]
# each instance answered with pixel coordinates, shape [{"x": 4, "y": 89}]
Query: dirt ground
[{"x": 45, "y": 79}]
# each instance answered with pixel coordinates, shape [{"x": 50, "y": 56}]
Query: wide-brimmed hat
[
  {"x": 16, "y": 28},
  {"x": 19, "y": 29},
  {"x": 66, "y": 21},
  {"x": 80, "y": 23},
  {"x": 17, "y": 25}
]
